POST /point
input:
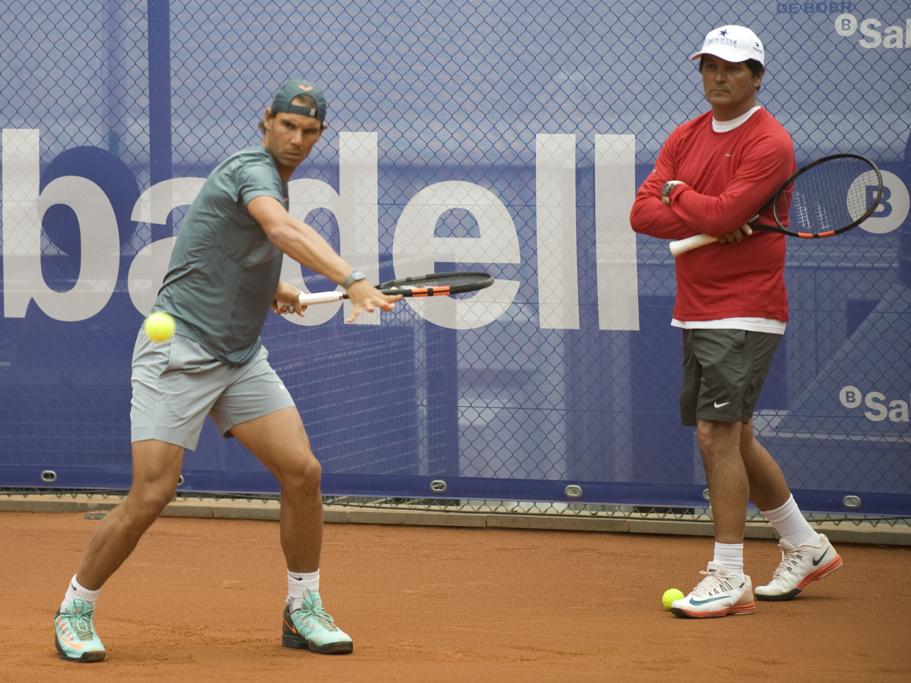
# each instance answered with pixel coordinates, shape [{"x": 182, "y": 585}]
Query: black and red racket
[
  {"x": 826, "y": 197},
  {"x": 434, "y": 284}
]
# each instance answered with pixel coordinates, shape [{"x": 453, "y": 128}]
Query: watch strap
[{"x": 353, "y": 276}]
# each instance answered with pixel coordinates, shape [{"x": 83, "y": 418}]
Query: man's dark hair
[
  {"x": 757, "y": 68},
  {"x": 302, "y": 100}
]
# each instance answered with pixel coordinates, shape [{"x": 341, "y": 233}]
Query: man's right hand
[
  {"x": 365, "y": 297},
  {"x": 738, "y": 235}
]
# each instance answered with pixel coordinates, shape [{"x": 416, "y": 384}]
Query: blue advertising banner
[{"x": 509, "y": 137}]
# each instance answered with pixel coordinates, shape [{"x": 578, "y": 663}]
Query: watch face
[
  {"x": 354, "y": 276},
  {"x": 669, "y": 187}
]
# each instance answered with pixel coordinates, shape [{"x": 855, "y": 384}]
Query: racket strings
[{"x": 831, "y": 196}]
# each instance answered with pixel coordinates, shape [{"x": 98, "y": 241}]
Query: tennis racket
[
  {"x": 434, "y": 284},
  {"x": 826, "y": 197}
]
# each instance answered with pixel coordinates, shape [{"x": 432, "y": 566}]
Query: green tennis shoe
[
  {"x": 312, "y": 628},
  {"x": 74, "y": 633}
]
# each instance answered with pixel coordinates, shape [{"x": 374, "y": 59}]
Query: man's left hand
[{"x": 286, "y": 300}]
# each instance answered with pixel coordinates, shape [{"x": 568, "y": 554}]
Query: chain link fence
[{"x": 508, "y": 137}]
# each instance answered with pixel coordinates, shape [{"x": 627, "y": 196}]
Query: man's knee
[
  {"x": 714, "y": 438},
  {"x": 147, "y": 502},
  {"x": 301, "y": 475}
]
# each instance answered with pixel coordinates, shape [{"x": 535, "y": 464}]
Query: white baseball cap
[{"x": 732, "y": 44}]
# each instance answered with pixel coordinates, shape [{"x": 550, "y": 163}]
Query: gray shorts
[
  {"x": 177, "y": 383},
  {"x": 723, "y": 372}
]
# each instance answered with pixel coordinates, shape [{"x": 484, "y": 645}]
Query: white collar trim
[{"x": 726, "y": 126}]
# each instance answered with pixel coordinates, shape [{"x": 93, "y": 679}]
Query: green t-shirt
[{"x": 224, "y": 271}]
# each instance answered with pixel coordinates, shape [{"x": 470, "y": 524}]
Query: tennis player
[
  {"x": 222, "y": 280},
  {"x": 710, "y": 176}
]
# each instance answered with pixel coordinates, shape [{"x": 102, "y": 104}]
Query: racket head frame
[
  {"x": 437, "y": 284},
  {"x": 433, "y": 284},
  {"x": 786, "y": 185}
]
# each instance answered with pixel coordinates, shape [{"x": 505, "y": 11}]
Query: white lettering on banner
[
  {"x": 615, "y": 242},
  {"x": 356, "y": 210},
  {"x": 416, "y": 248},
  {"x": 555, "y": 216},
  {"x": 874, "y": 35},
  {"x": 879, "y": 409},
  {"x": 23, "y": 210}
]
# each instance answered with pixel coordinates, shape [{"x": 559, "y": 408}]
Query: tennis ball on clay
[
  {"x": 670, "y": 595},
  {"x": 159, "y": 327}
]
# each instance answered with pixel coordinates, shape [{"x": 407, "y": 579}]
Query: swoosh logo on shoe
[
  {"x": 290, "y": 625},
  {"x": 817, "y": 560},
  {"x": 65, "y": 636},
  {"x": 73, "y": 645},
  {"x": 696, "y": 603}
]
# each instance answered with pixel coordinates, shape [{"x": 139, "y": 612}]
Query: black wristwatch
[
  {"x": 354, "y": 276},
  {"x": 668, "y": 189}
]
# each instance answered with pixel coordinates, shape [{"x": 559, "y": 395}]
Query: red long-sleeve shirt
[{"x": 728, "y": 177}]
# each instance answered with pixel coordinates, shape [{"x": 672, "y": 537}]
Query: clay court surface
[{"x": 201, "y": 600}]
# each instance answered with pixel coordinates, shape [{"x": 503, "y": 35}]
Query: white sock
[
  {"x": 298, "y": 584},
  {"x": 791, "y": 525},
  {"x": 730, "y": 556},
  {"x": 75, "y": 591}
]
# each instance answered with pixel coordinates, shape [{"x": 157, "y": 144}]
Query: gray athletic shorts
[
  {"x": 723, "y": 372},
  {"x": 177, "y": 383}
]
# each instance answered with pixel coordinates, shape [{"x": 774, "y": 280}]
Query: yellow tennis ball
[
  {"x": 159, "y": 326},
  {"x": 670, "y": 595}
]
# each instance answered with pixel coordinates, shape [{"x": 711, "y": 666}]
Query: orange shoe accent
[{"x": 822, "y": 572}]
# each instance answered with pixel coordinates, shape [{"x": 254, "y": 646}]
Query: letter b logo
[{"x": 893, "y": 206}]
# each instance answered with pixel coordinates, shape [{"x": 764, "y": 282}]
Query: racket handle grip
[
  {"x": 320, "y": 297},
  {"x": 677, "y": 247}
]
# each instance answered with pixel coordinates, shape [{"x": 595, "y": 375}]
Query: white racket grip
[
  {"x": 677, "y": 247},
  {"x": 320, "y": 297}
]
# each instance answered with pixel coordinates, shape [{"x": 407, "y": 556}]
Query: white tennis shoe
[
  {"x": 799, "y": 566},
  {"x": 719, "y": 594}
]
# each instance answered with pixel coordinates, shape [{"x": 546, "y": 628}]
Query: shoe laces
[
  {"x": 81, "y": 619},
  {"x": 712, "y": 584},
  {"x": 790, "y": 558},
  {"x": 312, "y": 607}
]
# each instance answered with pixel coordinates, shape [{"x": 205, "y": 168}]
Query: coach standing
[{"x": 711, "y": 175}]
